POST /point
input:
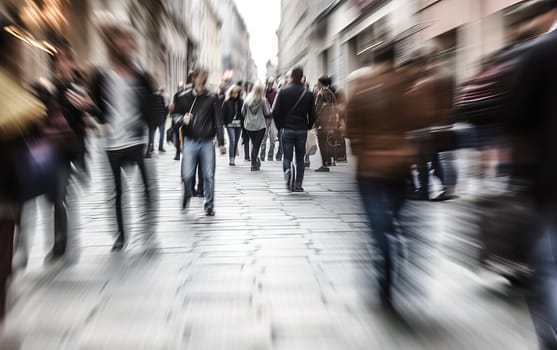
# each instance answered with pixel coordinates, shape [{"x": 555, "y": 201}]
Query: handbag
[{"x": 311, "y": 143}]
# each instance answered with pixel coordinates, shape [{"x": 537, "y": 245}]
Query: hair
[
  {"x": 232, "y": 89},
  {"x": 324, "y": 80},
  {"x": 297, "y": 74},
  {"x": 197, "y": 71},
  {"x": 256, "y": 94}
]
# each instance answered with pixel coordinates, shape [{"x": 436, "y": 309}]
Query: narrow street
[{"x": 272, "y": 270}]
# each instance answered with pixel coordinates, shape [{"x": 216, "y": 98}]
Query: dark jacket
[
  {"x": 144, "y": 97},
  {"x": 302, "y": 117},
  {"x": 232, "y": 109},
  {"x": 160, "y": 110},
  {"x": 270, "y": 95},
  {"x": 205, "y": 123},
  {"x": 533, "y": 119}
]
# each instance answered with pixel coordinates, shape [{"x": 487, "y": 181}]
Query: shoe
[
  {"x": 287, "y": 178},
  {"x": 148, "y": 155},
  {"x": 418, "y": 196},
  {"x": 199, "y": 194},
  {"x": 298, "y": 188},
  {"x": 210, "y": 211},
  {"x": 323, "y": 169},
  {"x": 262, "y": 159},
  {"x": 52, "y": 257},
  {"x": 307, "y": 165},
  {"x": 177, "y": 158},
  {"x": 119, "y": 244},
  {"x": 161, "y": 149},
  {"x": 185, "y": 202},
  {"x": 247, "y": 160},
  {"x": 444, "y": 197},
  {"x": 254, "y": 168},
  {"x": 231, "y": 163}
]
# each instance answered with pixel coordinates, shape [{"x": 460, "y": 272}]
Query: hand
[
  {"x": 83, "y": 103},
  {"x": 222, "y": 150}
]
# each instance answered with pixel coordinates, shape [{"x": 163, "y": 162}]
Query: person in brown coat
[{"x": 378, "y": 118}]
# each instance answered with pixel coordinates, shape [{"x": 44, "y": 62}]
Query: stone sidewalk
[{"x": 272, "y": 270}]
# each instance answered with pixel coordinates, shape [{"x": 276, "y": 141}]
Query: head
[
  {"x": 222, "y": 90},
  {"x": 256, "y": 94},
  {"x": 161, "y": 90},
  {"x": 199, "y": 79},
  {"x": 181, "y": 86},
  {"x": 121, "y": 44},
  {"x": 296, "y": 75},
  {"x": 63, "y": 63},
  {"x": 323, "y": 82},
  {"x": 233, "y": 92}
]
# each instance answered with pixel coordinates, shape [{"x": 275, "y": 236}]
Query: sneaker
[
  {"x": 119, "y": 244},
  {"x": 161, "y": 149},
  {"x": 210, "y": 211},
  {"x": 298, "y": 188},
  {"x": 199, "y": 194},
  {"x": 231, "y": 163},
  {"x": 323, "y": 169}
]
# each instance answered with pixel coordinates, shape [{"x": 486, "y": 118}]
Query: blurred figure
[
  {"x": 534, "y": 134},
  {"x": 341, "y": 156},
  {"x": 124, "y": 95},
  {"x": 175, "y": 117},
  {"x": 377, "y": 120},
  {"x": 271, "y": 130},
  {"x": 232, "y": 116},
  {"x": 294, "y": 115},
  {"x": 254, "y": 112},
  {"x": 70, "y": 101},
  {"x": 201, "y": 126},
  {"x": 326, "y": 122},
  {"x": 160, "y": 111},
  {"x": 434, "y": 92},
  {"x": 20, "y": 111},
  {"x": 246, "y": 89}
]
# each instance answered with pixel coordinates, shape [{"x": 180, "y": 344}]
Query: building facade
[{"x": 336, "y": 37}]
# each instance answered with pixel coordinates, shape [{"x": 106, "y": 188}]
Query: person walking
[
  {"x": 232, "y": 115},
  {"x": 271, "y": 129},
  {"x": 326, "y": 123},
  {"x": 124, "y": 96},
  {"x": 294, "y": 114},
  {"x": 254, "y": 112},
  {"x": 378, "y": 118},
  {"x": 200, "y": 127},
  {"x": 160, "y": 111}
]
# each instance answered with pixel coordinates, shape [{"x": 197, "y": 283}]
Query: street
[{"x": 272, "y": 270}]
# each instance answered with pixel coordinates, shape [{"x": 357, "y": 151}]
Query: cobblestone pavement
[{"x": 272, "y": 270}]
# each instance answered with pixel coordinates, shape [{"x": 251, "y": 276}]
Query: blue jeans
[
  {"x": 543, "y": 294},
  {"x": 383, "y": 200},
  {"x": 294, "y": 140},
  {"x": 204, "y": 153},
  {"x": 233, "y": 140}
]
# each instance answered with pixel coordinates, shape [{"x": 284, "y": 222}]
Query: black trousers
[
  {"x": 324, "y": 148},
  {"x": 256, "y": 138},
  {"x": 118, "y": 159},
  {"x": 7, "y": 227},
  {"x": 245, "y": 142},
  {"x": 58, "y": 198}
]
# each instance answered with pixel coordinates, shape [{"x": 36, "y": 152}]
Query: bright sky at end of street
[{"x": 262, "y": 18}]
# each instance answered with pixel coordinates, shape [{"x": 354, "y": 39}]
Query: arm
[
  {"x": 277, "y": 110},
  {"x": 218, "y": 123},
  {"x": 312, "y": 117}
]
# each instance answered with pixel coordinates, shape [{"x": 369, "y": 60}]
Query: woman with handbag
[{"x": 20, "y": 111}]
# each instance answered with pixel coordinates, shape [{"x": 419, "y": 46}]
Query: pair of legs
[
  {"x": 152, "y": 130},
  {"x": 118, "y": 159},
  {"x": 203, "y": 153},
  {"x": 176, "y": 131},
  {"x": 270, "y": 135},
  {"x": 58, "y": 198},
  {"x": 324, "y": 148},
  {"x": 233, "y": 141},
  {"x": 294, "y": 140},
  {"x": 423, "y": 171},
  {"x": 383, "y": 200},
  {"x": 245, "y": 142},
  {"x": 256, "y": 138}
]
